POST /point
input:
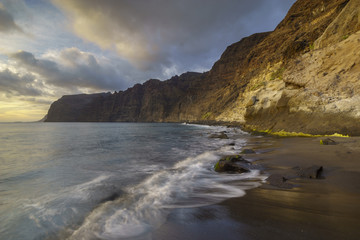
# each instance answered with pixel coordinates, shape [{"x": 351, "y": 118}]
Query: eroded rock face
[
  {"x": 345, "y": 24},
  {"x": 318, "y": 93},
  {"x": 302, "y": 77},
  {"x": 153, "y": 101}
]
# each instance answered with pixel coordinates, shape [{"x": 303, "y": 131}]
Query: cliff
[{"x": 303, "y": 76}]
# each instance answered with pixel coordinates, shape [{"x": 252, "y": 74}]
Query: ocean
[{"x": 111, "y": 180}]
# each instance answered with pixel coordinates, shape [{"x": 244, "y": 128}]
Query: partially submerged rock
[
  {"x": 232, "y": 164},
  {"x": 314, "y": 172},
  {"x": 110, "y": 198},
  {"x": 279, "y": 180},
  {"x": 327, "y": 141},
  {"x": 282, "y": 180},
  {"x": 248, "y": 151},
  {"x": 221, "y": 135}
]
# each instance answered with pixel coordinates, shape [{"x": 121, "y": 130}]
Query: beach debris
[
  {"x": 279, "y": 180},
  {"x": 314, "y": 172},
  {"x": 232, "y": 164},
  {"x": 221, "y": 135},
  {"x": 327, "y": 141},
  {"x": 248, "y": 151}
]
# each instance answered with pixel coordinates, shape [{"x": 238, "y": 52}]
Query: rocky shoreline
[
  {"x": 312, "y": 192},
  {"x": 239, "y": 163}
]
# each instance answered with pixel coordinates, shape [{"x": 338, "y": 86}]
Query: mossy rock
[{"x": 232, "y": 164}]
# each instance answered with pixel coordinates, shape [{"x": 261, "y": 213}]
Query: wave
[
  {"x": 217, "y": 128},
  {"x": 56, "y": 210},
  {"x": 189, "y": 183}
]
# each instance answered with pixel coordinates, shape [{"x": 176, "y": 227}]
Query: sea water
[{"x": 110, "y": 180}]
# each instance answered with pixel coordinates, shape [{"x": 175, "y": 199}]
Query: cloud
[
  {"x": 7, "y": 23},
  {"x": 15, "y": 84},
  {"x": 160, "y": 34},
  {"x": 72, "y": 69},
  {"x": 36, "y": 100}
]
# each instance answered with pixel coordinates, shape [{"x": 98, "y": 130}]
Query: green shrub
[
  {"x": 206, "y": 115},
  {"x": 257, "y": 86},
  {"x": 311, "y": 46},
  {"x": 277, "y": 74}
]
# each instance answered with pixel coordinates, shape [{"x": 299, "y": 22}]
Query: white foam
[
  {"x": 190, "y": 183},
  {"x": 54, "y": 208},
  {"x": 197, "y": 125},
  {"x": 83, "y": 190}
]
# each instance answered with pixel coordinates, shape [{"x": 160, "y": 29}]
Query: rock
[
  {"x": 314, "y": 172},
  {"x": 278, "y": 180},
  {"x": 247, "y": 151},
  {"x": 221, "y": 135},
  {"x": 232, "y": 164},
  {"x": 252, "y": 101},
  {"x": 327, "y": 141},
  {"x": 110, "y": 198}
]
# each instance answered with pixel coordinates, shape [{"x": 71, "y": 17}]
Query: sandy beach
[{"x": 326, "y": 208}]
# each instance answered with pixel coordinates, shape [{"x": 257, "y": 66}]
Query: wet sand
[{"x": 327, "y": 208}]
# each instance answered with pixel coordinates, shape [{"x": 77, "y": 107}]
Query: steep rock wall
[{"x": 303, "y": 76}]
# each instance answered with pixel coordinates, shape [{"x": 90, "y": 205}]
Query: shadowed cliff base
[
  {"x": 305, "y": 122},
  {"x": 301, "y": 77}
]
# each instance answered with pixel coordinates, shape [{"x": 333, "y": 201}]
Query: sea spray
[{"x": 190, "y": 183}]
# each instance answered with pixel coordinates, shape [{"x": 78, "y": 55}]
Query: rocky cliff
[{"x": 304, "y": 76}]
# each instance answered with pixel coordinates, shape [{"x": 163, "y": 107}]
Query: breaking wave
[{"x": 189, "y": 183}]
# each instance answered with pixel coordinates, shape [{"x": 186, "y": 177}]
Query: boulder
[
  {"x": 232, "y": 164},
  {"x": 221, "y": 135},
  {"x": 314, "y": 172},
  {"x": 327, "y": 141},
  {"x": 247, "y": 151},
  {"x": 278, "y": 180}
]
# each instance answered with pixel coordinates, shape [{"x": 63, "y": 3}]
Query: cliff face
[
  {"x": 303, "y": 76},
  {"x": 316, "y": 91}
]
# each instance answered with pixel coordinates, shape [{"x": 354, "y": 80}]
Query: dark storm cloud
[
  {"x": 71, "y": 69},
  {"x": 163, "y": 34},
  {"x": 7, "y": 23},
  {"x": 14, "y": 84}
]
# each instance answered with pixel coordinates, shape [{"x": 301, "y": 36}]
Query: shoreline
[
  {"x": 324, "y": 208},
  {"x": 243, "y": 126},
  {"x": 280, "y": 133}
]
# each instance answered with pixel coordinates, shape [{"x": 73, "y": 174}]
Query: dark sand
[{"x": 326, "y": 208}]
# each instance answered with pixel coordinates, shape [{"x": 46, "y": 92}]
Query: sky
[{"x": 51, "y": 48}]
